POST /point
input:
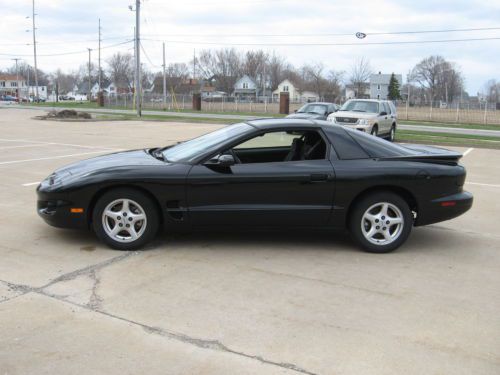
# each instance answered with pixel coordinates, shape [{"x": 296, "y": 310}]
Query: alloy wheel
[
  {"x": 382, "y": 223},
  {"x": 124, "y": 220}
]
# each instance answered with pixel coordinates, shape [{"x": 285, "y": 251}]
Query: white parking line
[
  {"x": 479, "y": 184},
  {"x": 54, "y": 143},
  {"x": 468, "y": 151},
  {"x": 20, "y": 146},
  {"x": 51, "y": 157}
]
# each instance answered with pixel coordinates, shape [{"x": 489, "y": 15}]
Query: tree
[
  {"x": 223, "y": 64},
  {"x": 394, "y": 90},
  {"x": 121, "y": 69},
  {"x": 440, "y": 78},
  {"x": 492, "y": 91},
  {"x": 360, "y": 74}
]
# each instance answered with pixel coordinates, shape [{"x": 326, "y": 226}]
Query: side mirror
[
  {"x": 383, "y": 113},
  {"x": 221, "y": 161}
]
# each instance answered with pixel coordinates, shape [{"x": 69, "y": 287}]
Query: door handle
[{"x": 319, "y": 177}]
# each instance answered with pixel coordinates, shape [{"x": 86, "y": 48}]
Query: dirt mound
[{"x": 68, "y": 114}]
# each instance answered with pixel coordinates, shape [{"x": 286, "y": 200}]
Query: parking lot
[{"x": 242, "y": 303}]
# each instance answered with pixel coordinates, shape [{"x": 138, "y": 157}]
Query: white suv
[{"x": 377, "y": 117}]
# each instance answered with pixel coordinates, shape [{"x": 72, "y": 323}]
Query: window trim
[{"x": 319, "y": 130}]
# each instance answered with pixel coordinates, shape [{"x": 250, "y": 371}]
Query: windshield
[
  {"x": 187, "y": 151},
  {"x": 360, "y": 106},
  {"x": 320, "y": 109}
]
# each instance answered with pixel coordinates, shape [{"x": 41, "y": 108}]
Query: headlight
[
  {"x": 331, "y": 118},
  {"x": 363, "y": 121}
]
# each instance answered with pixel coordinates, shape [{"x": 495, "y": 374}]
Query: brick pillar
[
  {"x": 197, "y": 102},
  {"x": 284, "y": 103}
]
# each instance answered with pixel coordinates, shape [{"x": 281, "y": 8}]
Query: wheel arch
[
  {"x": 99, "y": 193},
  {"x": 407, "y": 195}
]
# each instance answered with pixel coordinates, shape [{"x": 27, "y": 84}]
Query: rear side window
[
  {"x": 387, "y": 108},
  {"x": 345, "y": 147},
  {"x": 377, "y": 147}
]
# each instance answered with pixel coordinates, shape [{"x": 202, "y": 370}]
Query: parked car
[
  {"x": 260, "y": 174},
  {"x": 376, "y": 117},
  {"x": 9, "y": 98},
  {"x": 316, "y": 111},
  {"x": 37, "y": 100}
]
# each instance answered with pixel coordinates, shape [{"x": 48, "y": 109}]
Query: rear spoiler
[{"x": 448, "y": 158}]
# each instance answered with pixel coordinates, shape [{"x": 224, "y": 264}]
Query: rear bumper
[{"x": 444, "y": 208}]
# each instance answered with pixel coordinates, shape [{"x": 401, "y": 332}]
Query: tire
[
  {"x": 365, "y": 216},
  {"x": 392, "y": 133},
  {"x": 140, "y": 214},
  {"x": 374, "y": 131}
]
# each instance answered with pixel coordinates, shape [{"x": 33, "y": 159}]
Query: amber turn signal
[{"x": 76, "y": 210}]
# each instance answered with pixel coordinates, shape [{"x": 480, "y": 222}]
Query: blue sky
[{"x": 71, "y": 26}]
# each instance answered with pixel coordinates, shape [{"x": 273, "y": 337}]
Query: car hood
[
  {"x": 354, "y": 114},
  {"x": 117, "y": 160},
  {"x": 305, "y": 116}
]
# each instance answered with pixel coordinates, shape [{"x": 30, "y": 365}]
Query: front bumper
[
  {"x": 56, "y": 210},
  {"x": 444, "y": 208}
]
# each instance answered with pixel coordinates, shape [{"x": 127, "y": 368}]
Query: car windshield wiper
[
  {"x": 316, "y": 113},
  {"x": 357, "y": 110},
  {"x": 158, "y": 154}
]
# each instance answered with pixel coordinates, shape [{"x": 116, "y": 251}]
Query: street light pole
[
  {"x": 164, "y": 80},
  {"x": 34, "y": 50},
  {"x": 90, "y": 79},
  {"x": 17, "y": 78},
  {"x": 138, "y": 56}
]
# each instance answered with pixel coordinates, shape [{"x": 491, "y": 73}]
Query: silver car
[{"x": 377, "y": 117}]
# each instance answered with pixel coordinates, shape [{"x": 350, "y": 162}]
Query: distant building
[
  {"x": 246, "y": 88},
  {"x": 296, "y": 94},
  {"x": 10, "y": 83},
  {"x": 379, "y": 85},
  {"x": 361, "y": 91}
]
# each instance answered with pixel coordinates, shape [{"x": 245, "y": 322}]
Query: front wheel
[
  {"x": 374, "y": 131},
  {"x": 125, "y": 219},
  {"x": 381, "y": 222}
]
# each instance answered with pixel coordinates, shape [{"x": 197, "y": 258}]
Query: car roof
[
  {"x": 368, "y": 100},
  {"x": 324, "y": 103},
  {"x": 287, "y": 122}
]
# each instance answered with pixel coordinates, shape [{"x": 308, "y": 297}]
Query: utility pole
[
  {"x": 28, "y": 83},
  {"x": 138, "y": 56},
  {"x": 90, "y": 79},
  {"x": 164, "y": 80},
  {"x": 99, "y": 58},
  {"x": 194, "y": 63},
  {"x": 34, "y": 50},
  {"x": 17, "y": 78}
]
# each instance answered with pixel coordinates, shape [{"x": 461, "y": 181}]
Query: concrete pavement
[{"x": 215, "y": 303}]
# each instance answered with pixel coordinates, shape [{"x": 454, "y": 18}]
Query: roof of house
[
  {"x": 383, "y": 79},
  {"x": 10, "y": 77},
  {"x": 245, "y": 76}
]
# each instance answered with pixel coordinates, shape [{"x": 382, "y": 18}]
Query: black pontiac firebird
[{"x": 261, "y": 174}]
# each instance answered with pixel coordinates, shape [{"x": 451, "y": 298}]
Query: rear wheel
[
  {"x": 392, "y": 133},
  {"x": 125, "y": 219},
  {"x": 374, "y": 131},
  {"x": 381, "y": 222}
]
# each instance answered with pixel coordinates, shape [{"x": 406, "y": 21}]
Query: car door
[{"x": 263, "y": 193}]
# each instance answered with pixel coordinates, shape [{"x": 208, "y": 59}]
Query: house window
[
  {"x": 245, "y": 85},
  {"x": 285, "y": 88},
  {"x": 2, "y": 84},
  {"x": 378, "y": 96},
  {"x": 378, "y": 87},
  {"x": 13, "y": 84}
]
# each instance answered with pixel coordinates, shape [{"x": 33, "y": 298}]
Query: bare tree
[
  {"x": 121, "y": 69},
  {"x": 278, "y": 69},
  {"x": 360, "y": 74},
  {"x": 492, "y": 91},
  {"x": 335, "y": 83},
  {"x": 314, "y": 79},
  {"x": 176, "y": 74},
  {"x": 440, "y": 78},
  {"x": 224, "y": 65}
]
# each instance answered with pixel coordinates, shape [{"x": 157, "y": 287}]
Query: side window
[
  {"x": 387, "y": 108},
  {"x": 281, "y": 146}
]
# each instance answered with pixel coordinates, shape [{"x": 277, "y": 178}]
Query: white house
[
  {"x": 296, "y": 95},
  {"x": 246, "y": 88},
  {"x": 10, "y": 83},
  {"x": 379, "y": 85}
]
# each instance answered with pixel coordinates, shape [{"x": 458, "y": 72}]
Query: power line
[
  {"x": 232, "y": 35},
  {"x": 69, "y": 53},
  {"x": 327, "y": 44}
]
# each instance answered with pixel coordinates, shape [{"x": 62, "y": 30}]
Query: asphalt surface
[
  {"x": 215, "y": 303},
  {"x": 217, "y": 116}
]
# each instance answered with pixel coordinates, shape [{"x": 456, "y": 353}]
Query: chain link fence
[{"x": 476, "y": 113}]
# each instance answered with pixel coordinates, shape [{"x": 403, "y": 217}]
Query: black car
[
  {"x": 261, "y": 174},
  {"x": 315, "y": 111}
]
